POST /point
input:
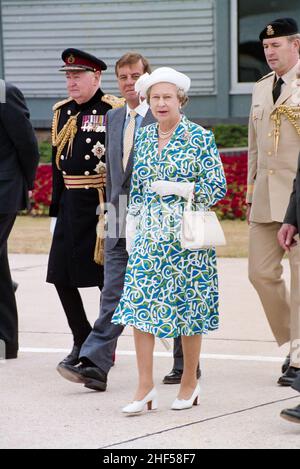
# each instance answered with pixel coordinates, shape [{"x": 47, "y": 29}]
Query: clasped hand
[
  {"x": 182, "y": 189},
  {"x": 286, "y": 235}
]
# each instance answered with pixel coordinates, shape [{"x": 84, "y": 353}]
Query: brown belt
[{"x": 94, "y": 181}]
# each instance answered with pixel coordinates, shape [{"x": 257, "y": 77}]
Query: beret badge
[{"x": 270, "y": 30}]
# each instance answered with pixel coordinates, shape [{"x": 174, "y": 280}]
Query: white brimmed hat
[
  {"x": 139, "y": 84},
  {"x": 165, "y": 75}
]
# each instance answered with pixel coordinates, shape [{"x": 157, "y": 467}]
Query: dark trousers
[
  {"x": 76, "y": 316},
  {"x": 178, "y": 354},
  {"x": 8, "y": 306},
  {"x": 102, "y": 341}
]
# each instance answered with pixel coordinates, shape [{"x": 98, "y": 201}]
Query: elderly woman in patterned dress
[{"x": 169, "y": 291}]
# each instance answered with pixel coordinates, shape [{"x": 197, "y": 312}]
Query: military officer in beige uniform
[{"x": 274, "y": 146}]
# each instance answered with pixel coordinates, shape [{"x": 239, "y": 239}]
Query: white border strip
[{"x": 210, "y": 356}]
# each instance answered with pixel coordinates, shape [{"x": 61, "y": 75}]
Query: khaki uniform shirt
[{"x": 271, "y": 173}]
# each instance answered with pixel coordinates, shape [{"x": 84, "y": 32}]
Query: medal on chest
[{"x": 93, "y": 123}]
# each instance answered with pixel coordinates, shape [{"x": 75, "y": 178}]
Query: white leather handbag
[{"x": 200, "y": 229}]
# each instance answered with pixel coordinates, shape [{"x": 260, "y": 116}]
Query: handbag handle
[{"x": 188, "y": 205}]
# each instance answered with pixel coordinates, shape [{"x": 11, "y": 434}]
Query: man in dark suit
[
  {"x": 97, "y": 351},
  {"x": 293, "y": 414},
  {"x": 288, "y": 230},
  {"x": 19, "y": 158},
  {"x": 286, "y": 240}
]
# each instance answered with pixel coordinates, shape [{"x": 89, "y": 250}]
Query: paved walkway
[{"x": 240, "y": 402}]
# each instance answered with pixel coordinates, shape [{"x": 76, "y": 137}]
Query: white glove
[
  {"x": 52, "y": 224},
  {"x": 131, "y": 224},
  {"x": 183, "y": 189}
]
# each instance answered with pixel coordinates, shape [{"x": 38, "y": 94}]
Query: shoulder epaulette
[
  {"x": 266, "y": 76},
  {"x": 61, "y": 103},
  {"x": 113, "y": 101}
]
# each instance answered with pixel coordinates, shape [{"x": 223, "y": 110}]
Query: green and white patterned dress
[{"x": 170, "y": 291}]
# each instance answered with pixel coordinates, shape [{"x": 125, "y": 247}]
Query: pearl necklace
[{"x": 165, "y": 135}]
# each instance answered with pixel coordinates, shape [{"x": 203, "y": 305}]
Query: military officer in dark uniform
[{"x": 77, "y": 207}]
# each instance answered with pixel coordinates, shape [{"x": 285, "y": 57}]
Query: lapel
[
  {"x": 116, "y": 138},
  {"x": 286, "y": 94},
  {"x": 288, "y": 90},
  {"x": 268, "y": 91},
  {"x": 148, "y": 119}
]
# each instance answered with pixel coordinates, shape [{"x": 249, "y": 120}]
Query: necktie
[
  {"x": 277, "y": 89},
  {"x": 128, "y": 138}
]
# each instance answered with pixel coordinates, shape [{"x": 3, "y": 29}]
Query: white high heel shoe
[
  {"x": 180, "y": 404},
  {"x": 136, "y": 407}
]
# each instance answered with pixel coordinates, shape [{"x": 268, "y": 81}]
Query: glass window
[{"x": 247, "y": 21}]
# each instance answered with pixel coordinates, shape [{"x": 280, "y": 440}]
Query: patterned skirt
[{"x": 168, "y": 291}]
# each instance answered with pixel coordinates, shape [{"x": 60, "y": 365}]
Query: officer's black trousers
[
  {"x": 8, "y": 307},
  {"x": 72, "y": 304}
]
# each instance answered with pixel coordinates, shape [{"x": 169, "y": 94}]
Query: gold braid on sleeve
[
  {"x": 292, "y": 114},
  {"x": 65, "y": 136}
]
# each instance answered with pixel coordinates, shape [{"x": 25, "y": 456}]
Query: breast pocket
[{"x": 257, "y": 113}]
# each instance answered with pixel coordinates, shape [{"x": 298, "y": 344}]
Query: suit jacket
[
  {"x": 117, "y": 181},
  {"x": 19, "y": 154},
  {"x": 271, "y": 174}
]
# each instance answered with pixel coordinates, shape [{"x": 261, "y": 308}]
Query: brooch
[
  {"x": 98, "y": 150},
  {"x": 100, "y": 168}
]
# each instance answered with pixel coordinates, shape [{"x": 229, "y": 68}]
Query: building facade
[{"x": 215, "y": 42}]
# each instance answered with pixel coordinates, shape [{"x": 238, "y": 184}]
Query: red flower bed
[
  {"x": 41, "y": 195},
  {"x": 231, "y": 207},
  {"x": 234, "y": 204}
]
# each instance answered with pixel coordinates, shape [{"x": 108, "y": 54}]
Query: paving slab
[{"x": 240, "y": 400}]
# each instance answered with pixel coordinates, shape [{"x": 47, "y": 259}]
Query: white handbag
[{"x": 200, "y": 229}]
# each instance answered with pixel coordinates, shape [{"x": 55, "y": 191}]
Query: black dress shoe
[
  {"x": 91, "y": 376},
  {"x": 12, "y": 354},
  {"x": 286, "y": 364},
  {"x": 289, "y": 376},
  {"x": 11, "y": 351},
  {"x": 72, "y": 358},
  {"x": 174, "y": 377},
  {"x": 293, "y": 415}
]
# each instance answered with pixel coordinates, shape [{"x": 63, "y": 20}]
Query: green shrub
[
  {"x": 226, "y": 135},
  {"x": 231, "y": 135},
  {"x": 45, "y": 152}
]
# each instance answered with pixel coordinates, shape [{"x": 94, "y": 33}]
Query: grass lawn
[
  {"x": 236, "y": 233},
  {"x": 31, "y": 235}
]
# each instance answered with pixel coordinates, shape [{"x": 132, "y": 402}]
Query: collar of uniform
[
  {"x": 291, "y": 74},
  {"x": 96, "y": 99},
  {"x": 141, "y": 109}
]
